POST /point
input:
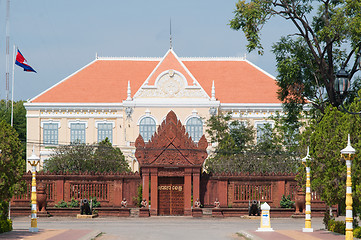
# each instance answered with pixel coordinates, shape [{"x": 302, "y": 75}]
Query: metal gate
[{"x": 171, "y": 196}]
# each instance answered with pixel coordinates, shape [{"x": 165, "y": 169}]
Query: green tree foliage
[
  {"x": 236, "y": 151},
  {"x": 328, "y": 170},
  {"x": 19, "y": 121},
  {"x": 102, "y": 157},
  {"x": 12, "y": 166},
  {"x": 327, "y": 35}
]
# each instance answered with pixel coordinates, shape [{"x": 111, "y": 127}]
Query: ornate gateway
[{"x": 171, "y": 160}]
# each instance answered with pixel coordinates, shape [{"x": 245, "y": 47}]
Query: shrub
[
  {"x": 95, "y": 203},
  {"x": 6, "y": 225},
  {"x": 337, "y": 226},
  {"x": 286, "y": 202},
  {"x": 357, "y": 232},
  {"x": 61, "y": 204},
  {"x": 73, "y": 203},
  {"x": 4, "y": 208},
  {"x": 327, "y": 218}
]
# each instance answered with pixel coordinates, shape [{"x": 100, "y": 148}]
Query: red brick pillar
[
  {"x": 66, "y": 192},
  {"x": 196, "y": 185},
  {"x": 223, "y": 192},
  {"x": 145, "y": 187},
  {"x": 117, "y": 193},
  {"x": 187, "y": 192},
  {"x": 59, "y": 194},
  {"x": 154, "y": 192},
  {"x": 277, "y": 192}
]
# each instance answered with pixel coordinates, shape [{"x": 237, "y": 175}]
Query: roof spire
[
  {"x": 170, "y": 33},
  {"x": 213, "y": 92},
  {"x": 129, "y": 92}
]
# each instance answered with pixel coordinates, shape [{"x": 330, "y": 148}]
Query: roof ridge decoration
[
  {"x": 129, "y": 58},
  {"x": 171, "y": 146},
  {"x": 213, "y": 58},
  {"x": 134, "y": 58}
]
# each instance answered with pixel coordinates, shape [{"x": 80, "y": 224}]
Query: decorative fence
[
  {"x": 108, "y": 188},
  {"x": 236, "y": 190},
  {"x": 247, "y": 192},
  {"x": 81, "y": 190}
]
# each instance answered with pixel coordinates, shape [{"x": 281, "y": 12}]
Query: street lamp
[
  {"x": 342, "y": 82},
  {"x": 33, "y": 160},
  {"x": 348, "y": 154},
  {"x": 308, "y": 227}
]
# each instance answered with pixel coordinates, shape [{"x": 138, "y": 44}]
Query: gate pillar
[
  {"x": 145, "y": 174},
  {"x": 196, "y": 185},
  {"x": 187, "y": 191},
  {"x": 154, "y": 191}
]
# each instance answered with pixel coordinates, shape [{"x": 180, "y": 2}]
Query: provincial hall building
[{"x": 122, "y": 98}]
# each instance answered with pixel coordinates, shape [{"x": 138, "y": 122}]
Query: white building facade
[{"x": 120, "y": 98}]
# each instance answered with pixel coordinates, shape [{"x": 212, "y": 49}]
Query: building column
[
  {"x": 187, "y": 192},
  {"x": 196, "y": 185},
  {"x": 154, "y": 191},
  {"x": 145, "y": 187}
]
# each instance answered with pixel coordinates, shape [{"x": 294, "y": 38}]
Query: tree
[
  {"x": 102, "y": 157},
  {"x": 328, "y": 37},
  {"x": 12, "y": 166},
  {"x": 328, "y": 170},
  {"x": 235, "y": 150},
  {"x": 110, "y": 157},
  {"x": 233, "y": 138},
  {"x": 19, "y": 120}
]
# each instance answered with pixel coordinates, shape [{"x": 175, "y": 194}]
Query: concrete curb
[
  {"x": 90, "y": 236},
  {"x": 248, "y": 235}
]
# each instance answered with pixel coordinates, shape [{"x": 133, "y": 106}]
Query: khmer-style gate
[{"x": 171, "y": 163}]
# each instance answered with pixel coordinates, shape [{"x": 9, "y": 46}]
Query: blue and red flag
[{"x": 21, "y": 61}]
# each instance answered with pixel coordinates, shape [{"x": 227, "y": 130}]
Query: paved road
[{"x": 167, "y": 228}]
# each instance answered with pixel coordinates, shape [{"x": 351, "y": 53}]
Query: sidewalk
[
  {"x": 292, "y": 235},
  {"x": 51, "y": 234}
]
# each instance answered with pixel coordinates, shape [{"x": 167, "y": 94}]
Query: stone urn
[
  {"x": 300, "y": 202},
  {"x": 41, "y": 197}
]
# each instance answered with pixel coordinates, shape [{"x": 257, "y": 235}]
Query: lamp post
[
  {"x": 343, "y": 81},
  {"x": 308, "y": 227},
  {"x": 348, "y": 154},
  {"x": 33, "y": 160}
]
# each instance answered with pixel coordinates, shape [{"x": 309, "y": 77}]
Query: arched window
[
  {"x": 147, "y": 128},
  {"x": 194, "y": 127}
]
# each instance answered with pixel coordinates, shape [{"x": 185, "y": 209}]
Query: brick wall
[
  {"x": 236, "y": 190},
  {"x": 108, "y": 188}
]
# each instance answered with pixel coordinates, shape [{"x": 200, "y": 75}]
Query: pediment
[
  {"x": 171, "y": 84},
  {"x": 171, "y": 146},
  {"x": 171, "y": 157},
  {"x": 171, "y": 79}
]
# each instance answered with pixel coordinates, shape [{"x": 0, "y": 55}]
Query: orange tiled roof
[
  {"x": 235, "y": 81},
  {"x": 106, "y": 81}
]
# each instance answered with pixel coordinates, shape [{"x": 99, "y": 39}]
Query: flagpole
[
  {"x": 12, "y": 109},
  {"x": 12, "y": 89}
]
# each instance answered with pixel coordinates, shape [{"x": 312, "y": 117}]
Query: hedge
[{"x": 6, "y": 225}]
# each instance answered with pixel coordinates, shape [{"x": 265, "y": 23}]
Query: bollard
[{"x": 265, "y": 219}]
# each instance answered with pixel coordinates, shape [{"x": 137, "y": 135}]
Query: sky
[{"x": 59, "y": 37}]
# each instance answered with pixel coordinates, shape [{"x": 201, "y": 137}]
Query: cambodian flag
[{"x": 21, "y": 61}]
